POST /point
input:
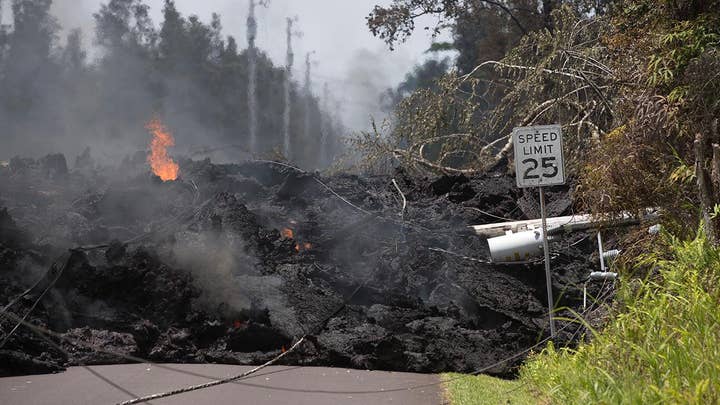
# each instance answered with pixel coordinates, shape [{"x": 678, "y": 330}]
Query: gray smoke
[{"x": 105, "y": 104}]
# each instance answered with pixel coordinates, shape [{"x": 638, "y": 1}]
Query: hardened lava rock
[{"x": 232, "y": 263}]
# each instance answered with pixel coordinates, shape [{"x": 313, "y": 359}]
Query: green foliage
[
  {"x": 683, "y": 173},
  {"x": 715, "y": 211},
  {"x": 435, "y": 129},
  {"x": 440, "y": 47},
  {"x": 485, "y": 32},
  {"x": 396, "y": 22},
  {"x": 375, "y": 149},
  {"x": 482, "y": 389},
  {"x": 668, "y": 51},
  {"x": 463, "y": 123},
  {"x": 686, "y": 41},
  {"x": 423, "y": 76},
  {"x": 660, "y": 348}
]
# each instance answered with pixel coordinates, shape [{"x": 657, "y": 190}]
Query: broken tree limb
[
  {"x": 531, "y": 117},
  {"x": 404, "y": 200},
  {"x": 424, "y": 162},
  {"x": 520, "y": 67}
]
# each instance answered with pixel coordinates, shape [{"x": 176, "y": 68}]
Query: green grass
[
  {"x": 662, "y": 347},
  {"x": 473, "y": 390}
]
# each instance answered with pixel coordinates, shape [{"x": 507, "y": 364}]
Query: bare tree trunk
[
  {"x": 715, "y": 164},
  {"x": 706, "y": 168},
  {"x": 547, "y": 7}
]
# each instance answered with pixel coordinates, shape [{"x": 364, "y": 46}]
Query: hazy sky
[{"x": 356, "y": 66}]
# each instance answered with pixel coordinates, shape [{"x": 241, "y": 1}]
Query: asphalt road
[{"x": 273, "y": 385}]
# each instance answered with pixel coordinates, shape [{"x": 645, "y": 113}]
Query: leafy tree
[
  {"x": 125, "y": 24},
  {"x": 483, "y": 29},
  {"x": 126, "y": 74},
  {"x": 397, "y": 21},
  {"x": 184, "y": 71},
  {"x": 423, "y": 76},
  {"x": 28, "y": 67},
  {"x": 550, "y": 76},
  {"x": 73, "y": 55},
  {"x": 664, "y": 149},
  {"x": 629, "y": 81}
]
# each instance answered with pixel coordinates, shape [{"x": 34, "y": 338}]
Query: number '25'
[{"x": 547, "y": 162}]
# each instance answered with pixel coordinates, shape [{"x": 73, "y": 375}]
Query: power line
[{"x": 43, "y": 331}]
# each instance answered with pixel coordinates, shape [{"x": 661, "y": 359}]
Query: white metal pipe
[
  {"x": 565, "y": 224},
  {"x": 516, "y": 247},
  {"x": 603, "y": 276}
]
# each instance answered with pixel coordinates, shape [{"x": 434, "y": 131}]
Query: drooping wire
[
  {"x": 320, "y": 325},
  {"x": 246, "y": 374},
  {"x": 50, "y": 285}
]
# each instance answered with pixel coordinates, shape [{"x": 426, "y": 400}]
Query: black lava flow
[{"x": 269, "y": 254}]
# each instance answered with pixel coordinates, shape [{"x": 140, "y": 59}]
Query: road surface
[{"x": 273, "y": 385}]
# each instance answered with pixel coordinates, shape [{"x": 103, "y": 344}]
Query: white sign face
[{"x": 539, "y": 156}]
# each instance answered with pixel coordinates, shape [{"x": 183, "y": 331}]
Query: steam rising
[{"x": 228, "y": 277}]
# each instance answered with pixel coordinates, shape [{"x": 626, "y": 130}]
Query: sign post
[{"x": 539, "y": 162}]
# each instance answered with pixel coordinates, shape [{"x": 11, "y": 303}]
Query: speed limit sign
[
  {"x": 539, "y": 162},
  {"x": 539, "y": 156}
]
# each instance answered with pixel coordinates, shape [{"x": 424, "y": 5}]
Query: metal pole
[
  {"x": 600, "y": 247},
  {"x": 546, "y": 250}
]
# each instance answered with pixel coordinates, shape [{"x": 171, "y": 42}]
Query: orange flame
[
  {"x": 288, "y": 233},
  {"x": 304, "y": 246},
  {"x": 283, "y": 349},
  {"x": 162, "y": 165}
]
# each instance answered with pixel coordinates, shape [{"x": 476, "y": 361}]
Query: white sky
[{"x": 356, "y": 66}]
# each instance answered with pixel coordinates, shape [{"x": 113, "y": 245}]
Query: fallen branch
[
  {"x": 404, "y": 200},
  {"x": 532, "y": 116},
  {"x": 424, "y": 162},
  {"x": 520, "y": 67}
]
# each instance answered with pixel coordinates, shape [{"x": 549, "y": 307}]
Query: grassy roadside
[
  {"x": 482, "y": 389},
  {"x": 663, "y": 346}
]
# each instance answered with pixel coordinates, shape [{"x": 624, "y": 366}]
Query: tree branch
[
  {"x": 509, "y": 13},
  {"x": 509, "y": 66}
]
